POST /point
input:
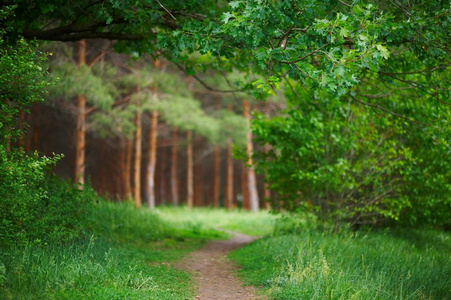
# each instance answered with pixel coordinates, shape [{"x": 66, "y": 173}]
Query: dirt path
[{"x": 214, "y": 272}]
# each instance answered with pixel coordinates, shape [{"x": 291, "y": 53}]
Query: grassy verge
[
  {"x": 317, "y": 264},
  {"x": 122, "y": 253}
]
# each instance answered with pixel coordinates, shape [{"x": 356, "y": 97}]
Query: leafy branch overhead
[{"x": 326, "y": 43}]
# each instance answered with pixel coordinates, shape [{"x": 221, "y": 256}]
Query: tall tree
[
  {"x": 151, "y": 166},
  {"x": 138, "y": 154},
  {"x": 189, "y": 169},
  {"x": 80, "y": 141},
  {"x": 250, "y": 172},
  {"x": 216, "y": 175},
  {"x": 174, "y": 167},
  {"x": 128, "y": 168},
  {"x": 228, "y": 199}
]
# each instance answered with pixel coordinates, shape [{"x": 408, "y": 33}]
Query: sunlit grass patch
[{"x": 255, "y": 224}]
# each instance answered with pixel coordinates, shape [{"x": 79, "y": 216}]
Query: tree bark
[
  {"x": 228, "y": 192},
  {"x": 128, "y": 168},
  {"x": 138, "y": 152},
  {"x": 251, "y": 178},
  {"x": 120, "y": 168},
  {"x": 28, "y": 134},
  {"x": 163, "y": 175},
  {"x": 266, "y": 190},
  {"x": 199, "y": 187},
  {"x": 152, "y": 159},
  {"x": 79, "y": 174},
  {"x": 228, "y": 201},
  {"x": 216, "y": 175},
  {"x": 189, "y": 170},
  {"x": 174, "y": 180},
  {"x": 245, "y": 204},
  {"x": 103, "y": 168}
]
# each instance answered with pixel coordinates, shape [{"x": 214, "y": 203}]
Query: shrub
[{"x": 35, "y": 206}]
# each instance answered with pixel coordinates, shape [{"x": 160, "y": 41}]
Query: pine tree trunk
[
  {"x": 128, "y": 168},
  {"x": 251, "y": 178},
  {"x": 198, "y": 179},
  {"x": 190, "y": 170},
  {"x": 103, "y": 168},
  {"x": 120, "y": 166},
  {"x": 217, "y": 175},
  {"x": 245, "y": 204},
  {"x": 163, "y": 176},
  {"x": 152, "y": 159},
  {"x": 8, "y": 141},
  {"x": 138, "y": 152},
  {"x": 266, "y": 190},
  {"x": 28, "y": 133},
  {"x": 174, "y": 179},
  {"x": 228, "y": 201},
  {"x": 228, "y": 191},
  {"x": 79, "y": 176}
]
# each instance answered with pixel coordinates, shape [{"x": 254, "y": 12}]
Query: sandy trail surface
[{"x": 214, "y": 273}]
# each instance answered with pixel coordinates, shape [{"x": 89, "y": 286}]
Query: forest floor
[{"x": 214, "y": 273}]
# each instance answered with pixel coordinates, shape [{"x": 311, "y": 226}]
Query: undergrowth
[
  {"x": 123, "y": 252},
  {"x": 299, "y": 261}
]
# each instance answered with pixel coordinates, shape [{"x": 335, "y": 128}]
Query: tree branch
[
  {"x": 388, "y": 111},
  {"x": 205, "y": 85}
]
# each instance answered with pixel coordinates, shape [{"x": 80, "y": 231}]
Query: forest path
[{"x": 214, "y": 273}]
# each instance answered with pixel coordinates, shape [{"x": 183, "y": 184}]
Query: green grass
[
  {"x": 124, "y": 253},
  {"x": 307, "y": 263},
  {"x": 255, "y": 224}
]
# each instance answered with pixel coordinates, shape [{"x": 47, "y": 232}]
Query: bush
[{"x": 35, "y": 206}]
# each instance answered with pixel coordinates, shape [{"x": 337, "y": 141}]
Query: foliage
[
  {"x": 22, "y": 79},
  {"x": 35, "y": 207},
  {"x": 303, "y": 262},
  {"x": 74, "y": 81},
  {"x": 25, "y": 190},
  {"x": 349, "y": 163}
]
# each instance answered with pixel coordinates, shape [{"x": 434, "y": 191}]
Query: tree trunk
[
  {"x": 251, "y": 178},
  {"x": 138, "y": 151},
  {"x": 28, "y": 133},
  {"x": 103, "y": 168},
  {"x": 217, "y": 175},
  {"x": 228, "y": 201},
  {"x": 8, "y": 141},
  {"x": 120, "y": 168},
  {"x": 266, "y": 190},
  {"x": 199, "y": 186},
  {"x": 79, "y": 176},
  {"x": 228, "y": 192},
  {"x": 128, "y": 168},
  {"x": 174, "y": 180},
  {"x": 152, "y": 159},
  {"x": 245, "y": 204},
  {"x": 163, "y": 174},
  {"x": 189, "y": 170}
]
